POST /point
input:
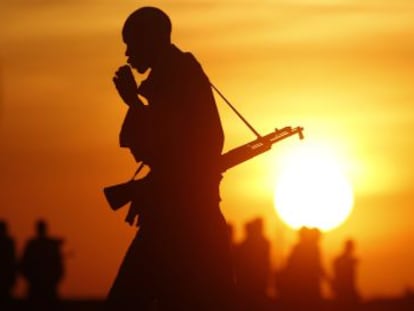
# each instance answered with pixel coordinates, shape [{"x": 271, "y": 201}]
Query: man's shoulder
[{"x": 187, "y": 61}]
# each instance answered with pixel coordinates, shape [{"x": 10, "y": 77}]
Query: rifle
[
  {"x": 258, "y": 146},
  {"x": 120, "y": 194}
]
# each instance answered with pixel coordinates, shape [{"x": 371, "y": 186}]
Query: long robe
[{"x": 180, "y": 258}]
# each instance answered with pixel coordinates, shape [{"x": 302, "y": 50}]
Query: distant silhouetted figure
[
  {"x": 253, "y": 266},
  {"x": 42, "y": 265},
  {"x": 299, "y": 283},
  {"x": 8, "y": 264},
  {"x": 180, "y": 258},
  {"x": 344, "y": 278}
]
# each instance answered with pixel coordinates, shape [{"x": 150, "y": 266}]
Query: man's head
[
  {"x": 146, "y": 33},
  {"x": 41, "y": 228},
  {"x": 254, "y": 227},
  {"x": 349, "y": 246},
  {"x": 3, "y": 228}
]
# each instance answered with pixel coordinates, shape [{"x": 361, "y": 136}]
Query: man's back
[
  {"x": 42, "y": 266},
  {"x": 186, "y": 138},
  {"x": 186, "y": 124},
  {"x": 7, "y": 266}
]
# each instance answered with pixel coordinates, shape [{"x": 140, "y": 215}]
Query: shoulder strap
[{"x": 235, "y": 111}]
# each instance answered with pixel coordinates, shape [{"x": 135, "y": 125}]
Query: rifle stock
[{"x": 118, "y": 195}]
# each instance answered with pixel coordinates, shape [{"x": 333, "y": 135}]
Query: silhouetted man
[
  {"x": 8, "y": 264},
  {"x": 253, "y": 266},
  {"x": 180, "y": 257},
  {"x": 42, "y": 265},
  {"x": 344, "y": 279},
  {"x": 299, "y": 283}
]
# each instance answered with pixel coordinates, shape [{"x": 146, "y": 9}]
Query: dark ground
[{"x": 397, "y": 304}]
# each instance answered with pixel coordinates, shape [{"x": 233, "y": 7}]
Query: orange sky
[{"x": 342, "y": 69}]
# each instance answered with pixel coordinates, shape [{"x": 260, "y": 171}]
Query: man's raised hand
[{"x": 125, "y": 84}]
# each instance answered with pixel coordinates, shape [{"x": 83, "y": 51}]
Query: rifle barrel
[{"x": 258, "y": 146}]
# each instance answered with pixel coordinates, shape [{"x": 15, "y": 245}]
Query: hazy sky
[{"x": 342, "y": 69}]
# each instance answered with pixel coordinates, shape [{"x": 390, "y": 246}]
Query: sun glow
[{"x": 312, "y": 190}]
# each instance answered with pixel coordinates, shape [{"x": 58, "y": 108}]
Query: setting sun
[{"x": 311, "y": 190}]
